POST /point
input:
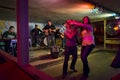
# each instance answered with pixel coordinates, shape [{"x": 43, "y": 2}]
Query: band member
[
  {"x": 35, "y": 34},
  {"x": 49, "y": 31}
]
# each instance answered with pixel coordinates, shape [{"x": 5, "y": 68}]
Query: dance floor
[{"x": 99, "y": 61}]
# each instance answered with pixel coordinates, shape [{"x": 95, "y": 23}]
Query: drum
[{"x": 45, "y": 41}]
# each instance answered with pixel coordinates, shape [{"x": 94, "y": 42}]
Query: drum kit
[{"x": 43, "y": 40}]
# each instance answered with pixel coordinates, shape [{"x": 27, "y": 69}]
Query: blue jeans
[{"x": 50, "y": 40}]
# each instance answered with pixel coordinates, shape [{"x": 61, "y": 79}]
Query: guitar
[
  {"x": 49, "y": 31},
  {"x": 62, "y": 35}
]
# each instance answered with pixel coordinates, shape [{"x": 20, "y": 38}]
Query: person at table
[{"x": 8, "y": 36}]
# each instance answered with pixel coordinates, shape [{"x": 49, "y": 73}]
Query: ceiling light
[
  {"x": 97, "y": 9},
  {"x": 117, "y": 17}
]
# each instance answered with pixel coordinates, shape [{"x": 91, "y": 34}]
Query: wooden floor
[{"x": 99, "y": 63}]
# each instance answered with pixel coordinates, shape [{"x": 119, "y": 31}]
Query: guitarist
[
  {"x": 62, "y": 29},
  {"x": 49, "y": 31}
]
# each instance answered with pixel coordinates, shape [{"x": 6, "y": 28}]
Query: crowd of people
[
  {"x": 37, "y": 36},
  {"x": 69, "y": 33}
]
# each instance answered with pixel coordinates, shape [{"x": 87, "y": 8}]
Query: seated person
[{"x": 8, "y": 36}]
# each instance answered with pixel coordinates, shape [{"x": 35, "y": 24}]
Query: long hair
[{"x": 89, "y": 22}]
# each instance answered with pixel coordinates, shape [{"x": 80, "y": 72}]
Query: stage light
[
  {"x": 116, "y": 28},
  {"x": 117, "y": 17}
]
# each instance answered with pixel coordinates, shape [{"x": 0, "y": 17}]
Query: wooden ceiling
[{"x": 60, "y": 10}]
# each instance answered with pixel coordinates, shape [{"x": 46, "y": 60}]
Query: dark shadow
[
  {"x": 83, "y": 78},
  {"x": 116, "y": 77},
  {"x": 116, "y": 61},
  {"x": 2, "y": 60},
  {"x": 102, "y": 50},
  {"x": 52, "y": 63},
  {"x": 47, "y": 56},
  {"x": 43, "y": 57},
  {"x": 69, "y": 77}
]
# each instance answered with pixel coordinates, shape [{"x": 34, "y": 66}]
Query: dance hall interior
[{"x": 59, "y": 40}]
